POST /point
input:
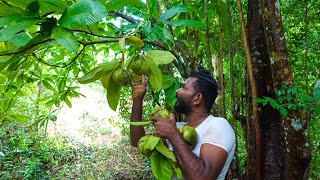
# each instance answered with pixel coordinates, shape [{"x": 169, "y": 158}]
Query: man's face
[{"x": 184, "y": 96}]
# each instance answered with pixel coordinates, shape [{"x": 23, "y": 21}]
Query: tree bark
[
  {"x": 255, "y": 112},
  {"x": 271, "y": 129},
  {"x": 298, "y": 154}
]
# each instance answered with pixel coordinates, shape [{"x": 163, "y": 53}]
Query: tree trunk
[
  {"x": 271, "y": 129},
  {"x": 256, "y": 114},
  {"x": 298, "y": 154}
]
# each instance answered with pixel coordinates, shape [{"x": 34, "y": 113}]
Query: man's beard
[{"x": 183, "y": 107}]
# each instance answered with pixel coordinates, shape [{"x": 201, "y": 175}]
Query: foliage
[
  {"x": 26, "y": 155},
  {"x": 293, "y": 98}
]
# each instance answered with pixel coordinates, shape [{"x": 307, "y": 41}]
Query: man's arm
[
  {"x": 207, "y": 166},
  {"x": 138, "y": 92}
]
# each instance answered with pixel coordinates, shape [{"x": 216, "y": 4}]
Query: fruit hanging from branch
[{"x": 122, "y": 76}]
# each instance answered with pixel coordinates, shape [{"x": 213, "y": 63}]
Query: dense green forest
[{"x": 263, "y": 53}]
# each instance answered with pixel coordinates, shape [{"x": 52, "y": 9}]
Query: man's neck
[{"x": 196, "y": 118}]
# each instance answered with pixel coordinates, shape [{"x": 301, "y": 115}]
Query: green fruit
[
  {"x": 139, "y": 66},
  {"x": 189, "y": 135},
  {"x": 141, "y": 146},
  {"x": 121, "y": 77},
  {"x": 160, "y": 112}
]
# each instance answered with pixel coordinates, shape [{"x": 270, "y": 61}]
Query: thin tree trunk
[
  {"x": 298, "y": 155},
  {"x": 209, "y": 56},
  {"x": 256, "y": 116}
]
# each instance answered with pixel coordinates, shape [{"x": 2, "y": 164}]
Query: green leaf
[
  {"x": 170, "y": 93},
  {"x": 68, "y": 102},
  {"x": 167, "y": 34},
  {"x": 137, "y": 42},
  {"x": 48, "y": 85},
  {"x": 141, "y": 123},
  {"x": 7, "y": 32},
  {"x": 115, "y": 5},
  {"x": 61, "y": 85},
  {"x": 316, "y": 92},
  {"x": 113, "y": 94},
  {"x": 105, "y": 80},
  {"x": 154, "y": 75},
  {"x": 283, "y": 111},
  {"x": 9, "y": 19},
  {"x": 189, "y": 23},
  {"x": 98, "y": 72},
  {"x": 20, "y": 39},
  {"x": 83, "y": 12},
  {"x": 160, "y": 57},
  {"x": 167, "y": 81},
  {"x": 175, "y": 10},
  {"x": 18, "y": 118},
  {"x": 165, "y": 151},
  {"x": 161, "y": 166},
  {"x": 152, "y": 142},
  {"x": 65, "y": 38},
  {"x": 258, "y": 100}
]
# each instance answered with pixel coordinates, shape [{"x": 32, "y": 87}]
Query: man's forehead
[{"x": 190, "y": 80}]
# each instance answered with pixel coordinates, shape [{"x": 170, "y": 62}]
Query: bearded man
[{"x": 211, "y": 157}]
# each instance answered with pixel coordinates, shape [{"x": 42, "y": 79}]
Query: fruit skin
[
  {"x": 121, "y": 76},
  {"x": 139, "y": 66},
  {"x": 141, "y": 146},
  {"x": 189, "y": 135},
  {"x": 160, "y": 112}
]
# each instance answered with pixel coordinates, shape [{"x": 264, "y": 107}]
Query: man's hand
[
  {"x": 165, "y": 128},
  {"x": 139, "y": 88}
]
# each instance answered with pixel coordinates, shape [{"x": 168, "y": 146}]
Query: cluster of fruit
[
  {"x": 188, "y": 133},
  {"x": 138, "y": 66}
]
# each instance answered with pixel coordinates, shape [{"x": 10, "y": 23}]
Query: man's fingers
[
  {"x": 172, "y": 117},
  {"x": 143, "y": 79}
]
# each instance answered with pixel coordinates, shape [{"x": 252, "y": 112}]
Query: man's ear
[{"x": 197, "y": 99}]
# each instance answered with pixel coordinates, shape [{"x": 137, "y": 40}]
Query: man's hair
[{"x": 206, "y": 85}]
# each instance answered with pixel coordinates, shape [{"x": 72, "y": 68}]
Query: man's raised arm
[{"x": 138, "y": 92}]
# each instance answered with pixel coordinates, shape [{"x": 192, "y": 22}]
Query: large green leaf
[
  {"x": 114, "y": 5},
  {"x": 98, "y": 72},
  {"x": 9, "y": 19},
  {"x": 20, "y": 39},
  {"x": 175, "y": 10},
  {"x": 105, "y": 80},
  {"x": 165, "y": 151},
  {"x": 113, "y": 94},
  {"x": 56, "y": 6},
  {"x": 152, "y": 142},
  {"x": 160, "y": 57},
  {"x": 8, "y": 32},
  {"x": 65, "y": 38},
  {"x": 154, "y": 75},
  {"x": 167, "y": 81},
  {"x": 9, "y": 10},
  {"x": 161, "y": 166},
  {"x": 170, "y": 93},
  {"x": 83, "y": 12},
  {"x": 190, "y": 23}
]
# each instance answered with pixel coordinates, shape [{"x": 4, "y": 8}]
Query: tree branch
[
  {"x": 26, "y": 48},
  {"x": 129, "y": 19},
  {"x": 96, "y": 34}
]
